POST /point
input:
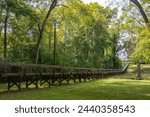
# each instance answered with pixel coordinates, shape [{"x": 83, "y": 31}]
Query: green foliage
[
  {"x": 117, "y": 63},
  {"x": 23, "y": 53},
  {"x": 142, "y": 50},
  {"x": 112, "y": 62},
  {"x": 133, "y": 34},
  {"x": 84, "y": 38}
]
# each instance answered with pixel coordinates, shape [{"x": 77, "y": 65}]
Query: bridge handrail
[{"x": 42, "y": 66}]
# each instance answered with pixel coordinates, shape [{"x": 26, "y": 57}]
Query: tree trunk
[
  {"x": 42, "y": 28},
  {"x": 55, "y": 41},
  {"x": 50, "y": 34},
  {"x": 139, "y": 77},
  {"x": 38, "y": 47},
  {"x": 5, "y": 33},
  {"x": 136, "y": 2}
]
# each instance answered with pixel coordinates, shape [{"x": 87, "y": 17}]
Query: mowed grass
[{"x": 119, "y": 87}]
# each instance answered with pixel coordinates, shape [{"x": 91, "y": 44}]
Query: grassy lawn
[{"x": 119, "y": 87}]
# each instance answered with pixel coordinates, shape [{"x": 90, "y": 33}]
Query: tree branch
[{"x": 141, "y": 11}]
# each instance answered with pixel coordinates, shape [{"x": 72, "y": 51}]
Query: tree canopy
[{"x": 87, "y": 35}]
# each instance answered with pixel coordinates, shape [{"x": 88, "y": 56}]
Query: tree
[
  {"x": 5, "y": 31},
  {"x": 42, "y": 28},
  {"x": 84, "y": 39},
  {"x": 148, "y": 25},
  {"x": 13, "y": 8},
  {"x": 87, "y": 34},
  {"x": 133, "y": 26},
  {"x": 142, "y": 51}
]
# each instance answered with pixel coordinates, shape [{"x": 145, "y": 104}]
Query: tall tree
[
  {"x": 13, "y": 8},
  {"x": 42, "y": 28},
  {"x": 5, "y": 30},
  {"x": 136, "y": 2}
]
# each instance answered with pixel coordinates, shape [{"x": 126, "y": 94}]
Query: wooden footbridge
[{"x": 38, "y": 74}]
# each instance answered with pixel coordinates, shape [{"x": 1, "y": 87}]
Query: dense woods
[{"x": 72, "y": 33}]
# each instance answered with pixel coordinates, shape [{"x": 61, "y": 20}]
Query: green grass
[{"x": 119, "y": 87}]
